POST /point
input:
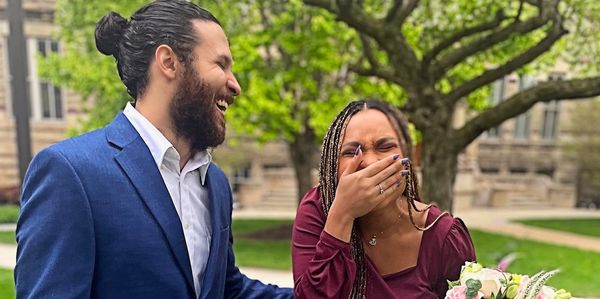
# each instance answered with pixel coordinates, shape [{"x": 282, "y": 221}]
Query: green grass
[
  {"x": 263, "y": 254},
  {"x": 7, "y": 237},
  {"x": 580, "y": 270},
  {"x": 9, "y": 213},
  {"x": 588, "y": 227},
  {"x": 241, "y": 226},
  {"x": 273, "y": 254},
  {"x": 7, "y": 284}
]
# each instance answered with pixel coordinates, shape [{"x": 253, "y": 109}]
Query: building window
[
  {"x": 551, "y": 112},
  {"x": 522, "y": 122},
  {"x": 498, "y": 94},
  {"x": 518, "y": 170},
  {"x": 546, "y": 171},
  {"x": 47, "y": 99},
  {"x": 489, "y": 170},
  {"x": 550, "y": 124}
]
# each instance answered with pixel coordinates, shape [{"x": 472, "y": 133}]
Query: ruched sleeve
[
  {"x": 322, "y": 264},
  {"x": 457, "y": 249}
]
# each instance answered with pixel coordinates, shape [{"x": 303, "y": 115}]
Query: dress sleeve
[
  {"x": 322, "y": 264},
  {"x": 457, "y": 249}
]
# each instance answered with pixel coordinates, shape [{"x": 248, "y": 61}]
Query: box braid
[{"x": 328, "y": 180}]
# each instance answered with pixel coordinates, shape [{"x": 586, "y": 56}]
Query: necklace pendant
[{"x": 373, "y": 241}]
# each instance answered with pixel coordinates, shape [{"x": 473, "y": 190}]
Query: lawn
[
  {"x": 7, "y": 285},
  {"x": 588, "y": 227},
  {"x": 9, "y": 213},
  {"x": 580, "y": 269},
  {"x": 262, "y": 243},
  {"x": 266, "y": 243},
  {"x": 7, "y": 237}
]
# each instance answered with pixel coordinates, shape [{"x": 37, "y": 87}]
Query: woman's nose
[{"x": 368, "y": 159}]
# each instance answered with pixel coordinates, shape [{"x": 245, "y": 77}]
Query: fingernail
[
  {"x": 357, "y": 151},
  {"x": 395, "y": 156},
  {"x": 405, "y": 161},
  {"x": 404, "y": 173}
]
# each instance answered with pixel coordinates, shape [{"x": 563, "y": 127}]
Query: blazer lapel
[
  {"x": 219, "y": 220},
  {"x": 137, "y": 162}
]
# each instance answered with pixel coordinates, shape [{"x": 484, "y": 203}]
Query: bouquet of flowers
[{"x": 478, "y": 282}]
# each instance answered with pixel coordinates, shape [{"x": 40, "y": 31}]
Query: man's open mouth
[{"x": 222, "y": 105}]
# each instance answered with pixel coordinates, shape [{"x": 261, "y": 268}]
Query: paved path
[{"x": 491, "y": 220}]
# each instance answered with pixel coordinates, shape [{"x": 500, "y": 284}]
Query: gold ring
[{"x": 380, "y": 189}]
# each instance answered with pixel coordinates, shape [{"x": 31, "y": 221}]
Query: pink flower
[{"x": 458, "y": 292}]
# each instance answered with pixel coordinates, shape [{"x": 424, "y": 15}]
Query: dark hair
[
  {"x": 133, "y": 43},
  {"x": 328, "y": 180}
]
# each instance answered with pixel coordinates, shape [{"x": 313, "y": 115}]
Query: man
[{"x": 137, "y": 209}]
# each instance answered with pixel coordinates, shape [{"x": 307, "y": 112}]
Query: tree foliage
[
  {"x": 445, "y": 52},
  {"x": 299, "y": 64},
  {"x": 293, "y": 77}
]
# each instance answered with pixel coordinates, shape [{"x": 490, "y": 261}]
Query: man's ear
[{"x": 166, "y": 61}]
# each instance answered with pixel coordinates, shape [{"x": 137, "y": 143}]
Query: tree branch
[
  {"x": 400, "y": 11},
  {"x": 520, "y": 11},
  {"x": 453, "y": 58},
  {"x": 523, "y": 101},
  {"x": 368, "y": 50},
  {"x": 389, "y": 39},
  {"x": 393, "y": 12},
  {"x": 524, "y": 58},
  {"x": 447, "y": 43}
]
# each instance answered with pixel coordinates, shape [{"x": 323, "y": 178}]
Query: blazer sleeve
[{"x": 55, "y": 232}]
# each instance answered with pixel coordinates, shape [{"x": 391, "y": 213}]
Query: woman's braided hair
[{"x": 328, "y": 170}]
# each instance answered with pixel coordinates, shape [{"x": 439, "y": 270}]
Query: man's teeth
[{"x": 222, "y": 104}]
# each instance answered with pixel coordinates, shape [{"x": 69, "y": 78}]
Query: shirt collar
[{"x": 160, "y": 147}]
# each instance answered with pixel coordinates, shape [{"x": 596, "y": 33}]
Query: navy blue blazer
[{"x": 97, "y": 221}]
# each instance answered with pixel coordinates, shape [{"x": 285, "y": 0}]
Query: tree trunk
[
  {"x": 303, "y": 153},
  {"x": 439, "y": 166}
]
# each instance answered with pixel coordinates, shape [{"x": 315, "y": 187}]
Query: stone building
[
  {"x": 53, "y": 110},
  {"x": 519, "y": 163}
]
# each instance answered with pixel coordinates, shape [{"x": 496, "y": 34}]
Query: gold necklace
[{"x": 373, "y": 240}]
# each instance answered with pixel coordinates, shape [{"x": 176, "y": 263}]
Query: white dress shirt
[{"x": 186, "y": 188}]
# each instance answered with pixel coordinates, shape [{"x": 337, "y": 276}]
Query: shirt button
[{"x": 186, "y": 225}]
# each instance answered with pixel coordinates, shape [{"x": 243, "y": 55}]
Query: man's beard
[{"x": 194, "y": 113}]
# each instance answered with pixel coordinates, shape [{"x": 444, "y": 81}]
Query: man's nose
[{"x": 234, "y": 86}]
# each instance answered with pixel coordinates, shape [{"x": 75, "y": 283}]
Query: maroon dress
[{"x": 324, "y": 268}]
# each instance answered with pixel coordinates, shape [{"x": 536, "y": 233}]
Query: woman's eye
[{"x": 387, "y": 147}]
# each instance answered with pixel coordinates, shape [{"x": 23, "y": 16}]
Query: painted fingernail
[
  {"x": 404, "y": 172},
  {"x": 405, "y": 161},
  {"x": 395, "y": 156},
  {"x": 357, "y": 151}
]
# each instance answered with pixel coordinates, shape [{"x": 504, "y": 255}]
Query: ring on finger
[{"x": 381, "y": 190}]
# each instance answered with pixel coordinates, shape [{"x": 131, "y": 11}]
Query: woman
[{"x": 363, "y": 232}]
